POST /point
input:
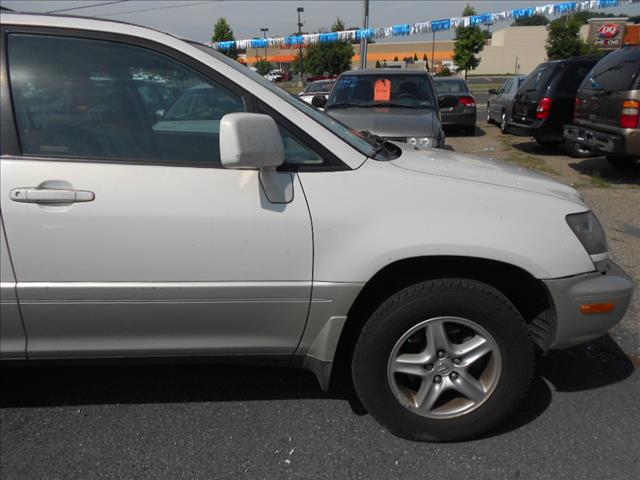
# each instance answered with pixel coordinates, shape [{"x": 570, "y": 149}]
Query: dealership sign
[{"x": 606, "y": 33}]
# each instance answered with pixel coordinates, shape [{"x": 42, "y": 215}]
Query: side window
[
  {"x": 98, "y": 99},
  {"x": 296, "y": 153}
]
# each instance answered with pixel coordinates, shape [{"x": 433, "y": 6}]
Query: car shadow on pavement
[
  {"x": 599, "y": 169},
  {"x": 590, "y": 366},
  {"x": 460, "y": 132},
  {"x": 534, "y": 148}
]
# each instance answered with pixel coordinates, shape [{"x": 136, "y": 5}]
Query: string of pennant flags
[{"x": 418, "y": 28}]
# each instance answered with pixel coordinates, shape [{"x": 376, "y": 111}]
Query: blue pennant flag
[{"x": 440, "y": 25}]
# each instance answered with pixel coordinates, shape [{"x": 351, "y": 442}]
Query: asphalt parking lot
[{"x": 580, "y": 421}]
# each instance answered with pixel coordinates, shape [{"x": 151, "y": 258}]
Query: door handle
[{"x": 50, "y": 195}]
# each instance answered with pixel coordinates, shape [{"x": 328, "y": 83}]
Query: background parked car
[
  {"x": 319, "y": 87},
  {"x": 607, "y": 108},
  {"x": 463, "y": 113},
  {"x": 396, "y": 104},
  {"x": 500, "y": 102},
  {"x": 544, "y": 102}
]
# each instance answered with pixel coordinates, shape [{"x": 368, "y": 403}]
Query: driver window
[{"x": 91, "y": 98}]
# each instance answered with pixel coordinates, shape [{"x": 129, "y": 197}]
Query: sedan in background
[
  {"x": 463, "y": 113},
  {"x": 319, "y": 87},
  {"x": 500, "y": 102}
]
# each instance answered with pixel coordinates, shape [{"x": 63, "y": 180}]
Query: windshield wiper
[
  {"x": 344, "y": 105},
  {"x": 401, "y": 105}
]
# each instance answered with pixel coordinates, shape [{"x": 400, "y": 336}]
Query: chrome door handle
[{"x": 50, "y": 195}]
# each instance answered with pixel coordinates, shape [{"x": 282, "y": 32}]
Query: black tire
[
  {"x": 465, "y": 298},
  {"x": 576, "y": 150},
  {"x": 623, "y": 162}
]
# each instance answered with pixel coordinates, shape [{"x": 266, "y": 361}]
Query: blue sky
[{"x": 195, "y": 18}]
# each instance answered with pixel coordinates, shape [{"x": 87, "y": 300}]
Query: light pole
[
  {"x": 363, "y": 40},
  {"x": 301, "y": 81},
  {"x": 264, "y": 31},
  {"x": 433, "y": 50}
]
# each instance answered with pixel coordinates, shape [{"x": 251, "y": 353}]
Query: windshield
[
  {"x": 450, "y": 86},
  {"x": 619, "y": 70},
  {"x": 319, "y": 87},
  {"x": 372, "y": 90},
  {"x": 538, "y": 80},
  {"x": 362, "y": 144}
]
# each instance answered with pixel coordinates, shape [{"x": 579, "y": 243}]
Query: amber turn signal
[{"x": 588, "y": 308}]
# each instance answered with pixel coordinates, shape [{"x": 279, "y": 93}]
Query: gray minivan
[{"x": 396, "y": 104}]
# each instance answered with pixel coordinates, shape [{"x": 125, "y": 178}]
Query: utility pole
[
  {"x": 515, "y": 70},
  {"x": 300, "y": 81},
  {"x": 433, "y": 50},
  {"x": 264, "y": 31},
  {"x": 363, "y": 40}
]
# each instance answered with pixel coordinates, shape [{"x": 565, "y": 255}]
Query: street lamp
[
  {"x": 264, "y": 31},
  {"x": 301, "y": 81}
]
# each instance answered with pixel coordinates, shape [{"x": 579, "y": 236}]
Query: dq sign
[
  {"x": 606, "y": 33},
  {"x": 608, "y": 30}
]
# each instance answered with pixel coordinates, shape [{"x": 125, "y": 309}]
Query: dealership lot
[{"x": 200, "y": 421}]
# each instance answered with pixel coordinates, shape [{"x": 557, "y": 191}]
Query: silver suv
[{"x": 243, "y": 222}]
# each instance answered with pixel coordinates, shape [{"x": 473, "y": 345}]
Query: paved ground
[{"x": 580, "y": 421}]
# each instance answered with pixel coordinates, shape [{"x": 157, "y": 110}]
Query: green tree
[
  {"x": 469, "y": 41},
  {"x": 534, "y": 20},
  {"x": 331, "y": 57},
  {"x": 425, "y": 58},
  {"x": 378, "y": 65},
  {"x": 263, "y": 66},
  {"x": 444, "y": 72},
  {"x": 222, "y": 33},
  {"x": 395, "y": 59},
  {"x": 415, "y": 57},
  {"x": 564, "y": 39}
]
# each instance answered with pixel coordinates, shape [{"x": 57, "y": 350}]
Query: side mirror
[
  {"x": 251, "y": 141},
  {"x": 492, "y": 91},
  {"x": 319, "y": 101},
  {"x": 447, "y": 101},
  {"x": 159, "y": 114}
]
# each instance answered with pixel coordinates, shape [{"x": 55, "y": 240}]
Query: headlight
[
  {"x": 421, "y": 142},
  {"x": 589, "y": 231}
]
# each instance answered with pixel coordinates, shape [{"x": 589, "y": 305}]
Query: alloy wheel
[{"x": 444, "y": 367}]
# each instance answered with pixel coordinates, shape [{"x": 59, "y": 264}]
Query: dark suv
[
  {"x": 544, "y": 102},
  {"x": 607, "y": 108}
]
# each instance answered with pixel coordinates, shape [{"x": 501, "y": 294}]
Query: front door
[{"x": 127, "y": 236}]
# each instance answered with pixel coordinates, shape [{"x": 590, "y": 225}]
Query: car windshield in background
[
  {"x": 539, "y": 78},
  {"x": 444, "y": 87},
  {"x": 617, "y": 71},
  {"x": 396, "y": 90},
  {"x": 319, "y": 87}
]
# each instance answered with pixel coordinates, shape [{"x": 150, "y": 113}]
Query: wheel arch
[{"x": 528, "y": 294}]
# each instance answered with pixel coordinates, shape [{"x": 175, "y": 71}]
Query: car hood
[
  {"x": 390, "y": 121},
  {"x": 483, "y": 170}
]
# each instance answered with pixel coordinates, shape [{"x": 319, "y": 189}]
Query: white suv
[{"x": 246, "y": 223}]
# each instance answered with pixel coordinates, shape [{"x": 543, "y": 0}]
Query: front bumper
[
  {"x": 609, "y": 285},
  {"x": 600, "y": 141}
]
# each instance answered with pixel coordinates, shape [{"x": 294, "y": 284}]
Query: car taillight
[
  {"x": 544, "y": 108},
  {"x": 630, "y": 114},
  {"x": 467, "y": 101}
]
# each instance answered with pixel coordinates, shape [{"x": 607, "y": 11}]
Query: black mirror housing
[
  {"x": 319, "y": 101},
  {"x": 492, "y": 91}
]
